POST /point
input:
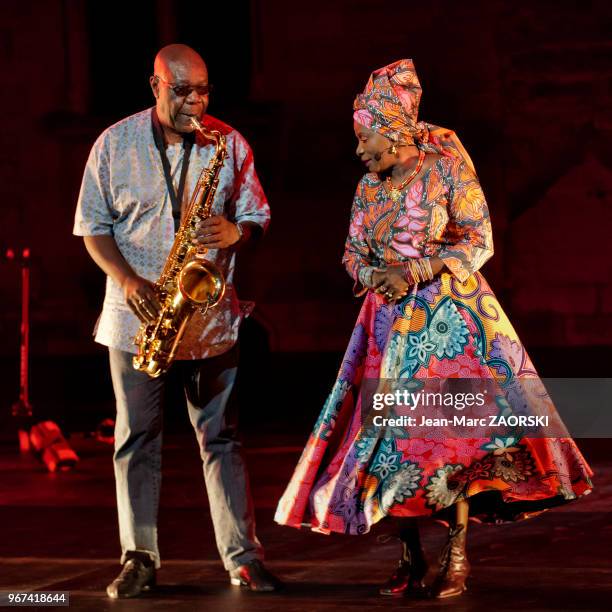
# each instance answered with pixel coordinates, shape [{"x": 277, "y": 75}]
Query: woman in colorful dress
[{"x": 419, "y": 233}]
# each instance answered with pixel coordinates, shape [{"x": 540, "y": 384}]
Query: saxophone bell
[{"x": 201, "y": 284}]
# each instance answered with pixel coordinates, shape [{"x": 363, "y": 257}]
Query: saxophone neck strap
[{"x": 176, "y": 196}]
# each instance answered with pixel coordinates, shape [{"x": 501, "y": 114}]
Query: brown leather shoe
[
  {"x": 255, "y": 577},
  {"x": 135, "y": 577},
  {"x": 454, "y": 566},
  {"x": 408, "y": 578}
]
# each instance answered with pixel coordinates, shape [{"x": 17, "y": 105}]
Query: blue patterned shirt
[{"x": 124, "y": 195}]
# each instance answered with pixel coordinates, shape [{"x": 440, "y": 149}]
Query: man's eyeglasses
[{"x": 182, "y": 91}]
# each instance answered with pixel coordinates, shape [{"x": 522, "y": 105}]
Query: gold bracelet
[
  {"x": 418, "y": 271},
  {"x": 427, "y": 272},
  {"x": 408, "y": 274}
]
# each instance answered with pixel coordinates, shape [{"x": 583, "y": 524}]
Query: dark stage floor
[{"x": 59, "y": 534}]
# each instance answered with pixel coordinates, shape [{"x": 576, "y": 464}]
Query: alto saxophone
[{"x": 188, "y": 282}]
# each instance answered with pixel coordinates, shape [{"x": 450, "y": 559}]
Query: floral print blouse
[{"x": 443, "y": 214}]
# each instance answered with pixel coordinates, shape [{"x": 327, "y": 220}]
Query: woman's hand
[
  {"x": 390, "y": 282},
  {"x": 141, "y": 298}
]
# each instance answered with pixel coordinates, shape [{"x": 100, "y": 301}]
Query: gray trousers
[{"x": 211, "y": 400}]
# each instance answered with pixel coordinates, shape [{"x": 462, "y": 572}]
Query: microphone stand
[
  {"x": 43, "y": 439},
  {"x": 22, "y": 409}
]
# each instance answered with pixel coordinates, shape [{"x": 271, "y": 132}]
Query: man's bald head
[
  {"x": 171, "y": 58},
  {"x": 179, "y": 69}
]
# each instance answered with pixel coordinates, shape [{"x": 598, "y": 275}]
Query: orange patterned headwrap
[{"x": 389, "y": 103}]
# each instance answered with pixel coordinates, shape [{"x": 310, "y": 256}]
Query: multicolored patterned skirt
[{"x": 350, "y": 476}]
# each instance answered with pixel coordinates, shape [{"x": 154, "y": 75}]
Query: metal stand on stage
[{"x": 45, "y": 438}]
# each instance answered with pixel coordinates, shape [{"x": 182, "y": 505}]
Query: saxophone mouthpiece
[
  {"x": 209, "y": 135},
  {"x": 196, "y": 124}
]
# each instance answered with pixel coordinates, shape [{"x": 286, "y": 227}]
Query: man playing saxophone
[{"x": 136, "y": 186}]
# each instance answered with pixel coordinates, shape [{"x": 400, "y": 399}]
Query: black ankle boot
[{"x": 408, "y": 578}]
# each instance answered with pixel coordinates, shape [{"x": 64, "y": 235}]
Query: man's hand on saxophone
[
  {"x": 138, "y": 291},
  {"x": 141, "y": 297},
  {"x": 217, "y": 233}
]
